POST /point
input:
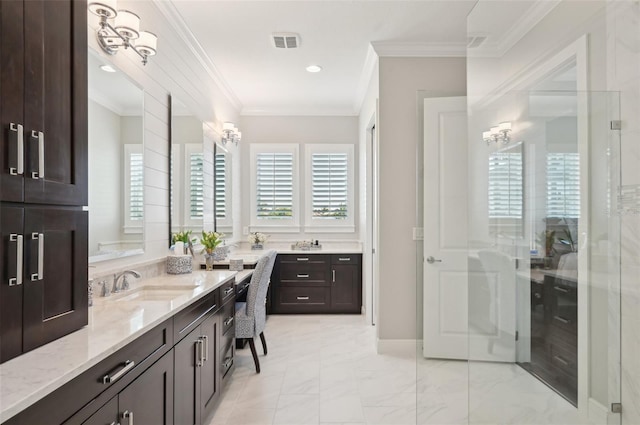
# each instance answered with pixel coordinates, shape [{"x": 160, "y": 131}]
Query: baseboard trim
[{"x": 397, "y": 346}]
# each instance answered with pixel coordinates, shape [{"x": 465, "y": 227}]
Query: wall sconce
[
  {"x": 230, "y": 133},
  {"x": 124, "y": 33},
  {"x": 499, "y": 133}
]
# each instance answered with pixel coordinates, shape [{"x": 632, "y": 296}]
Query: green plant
[
  {"x": 183, "y": 237},
  {"x": 210, "y": 241},
  {"x": 547, "y": 238}
]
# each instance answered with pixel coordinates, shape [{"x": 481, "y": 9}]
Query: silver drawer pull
[
  {"x": 562, "y": 319},
  {"x": 561, "y": 360},
  {"x": 199, "y": 344},
  {"x": 302, "y": 259},
  {"x": 559, "y": 289},
  {"x": 39, "y": 135},
  {"x": 40, "y": 274},
  {"x": 344, "y": 259},
  {"x": 302, "y": 275},
  {"x": 228, "y": 291},
  {"x": 128, "y": 365},
  {"x": 228, "y": 321},
  {"x": 128, "y": 415},
  {"x": 228, "y": 362},
  {"x": 333, "y": 275},
  {"x": 19, "y": 132},
  {"x": 205, "y": 352},
  {"x": 19, "y": 240},
  {"x": 302, "y": 298}
]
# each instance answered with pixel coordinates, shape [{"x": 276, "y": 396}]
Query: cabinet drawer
[
  {"x": 189, "y": 318},
  {"x": 302, "y": 259},
  {"x": 228, "y": 318},
  {"x": 345, "y": 259},
  {"x": 296, "y": 296},
  {"x": 563, "y": 360},
  {"x": 226, "y": 358},
  {"x": 311, "y": 274},
  {"x": 227, "y": 292}
]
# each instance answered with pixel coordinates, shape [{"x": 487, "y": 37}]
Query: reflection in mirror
[
  {"x": 506, "y": 191},
  {"x": 116, "y": 166},
  {"x": 222, "y": 188}
]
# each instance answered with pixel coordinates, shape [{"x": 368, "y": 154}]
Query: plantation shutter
[
  {"x": 136, "y": 186},
  {"x": 563, "y": 185},
  {"x": 329, "y": 185},
  {"x": 505, "y": 185},
  {"x": 220, "y": 185},
  {"x": 196, "y": 185},
  {"x": 274, "y": 185}
]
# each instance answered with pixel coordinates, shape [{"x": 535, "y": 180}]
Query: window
[
  {"x": 329, "y": 197},
  {"x": 505, "y": 185},
  {"x": 194, "y": 181},
  {"x": 563, "y": 185},
  {"x": 222, "y": 181},
  {"x": 134, "y": 188},
  {"x": 274, "y": 192}
]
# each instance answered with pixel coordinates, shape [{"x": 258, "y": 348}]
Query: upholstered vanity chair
[{"x": 251, "y": 316}]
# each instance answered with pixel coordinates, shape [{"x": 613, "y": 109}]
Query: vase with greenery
[
  {"x": 186, "y": 239},
  {"x": 257, "y": 240},
  {"x": 210, "y": 241}
]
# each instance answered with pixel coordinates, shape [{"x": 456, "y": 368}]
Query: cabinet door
[
  {"x": 55, "y": 107},
  {"x": 345, "y": 288},
  {"x": 149, "y": 399},
  {"x": 55, "y": 284},
  {"x": 11, "y": 253},
  {"x": 11, "y": 99},
  {"x": 187, "y": 379},
  {"x": 106, "y": 415},
  {"x": 209, "y": 379}
]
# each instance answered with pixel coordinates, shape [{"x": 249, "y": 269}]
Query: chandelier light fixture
[
  {"x": 230, "y": 133},
  {"x": 120, "y": 30},
  {"x": 498, "y": 133}
]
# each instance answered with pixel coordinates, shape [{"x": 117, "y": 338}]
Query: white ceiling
[{"x": 235, "y": 35}]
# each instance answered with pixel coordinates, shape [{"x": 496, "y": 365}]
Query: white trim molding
[
  {"x": 419, "y": 49},
  {"x": 403, "y": 347}
]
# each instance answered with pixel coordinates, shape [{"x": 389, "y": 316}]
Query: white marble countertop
[
  {"x": 113, "y": 323},
  {"x": 250, "y": 258}
]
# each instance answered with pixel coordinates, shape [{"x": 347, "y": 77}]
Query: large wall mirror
[
  {"x": 200, "y": 175},
  {"x": 116, "y": 163}
]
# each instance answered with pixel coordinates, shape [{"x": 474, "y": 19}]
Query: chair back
[{"x": 257, "y": 293}]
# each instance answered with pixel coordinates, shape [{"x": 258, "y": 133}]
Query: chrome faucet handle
[
  {"x": 115, "y": 288},
  {"x": 105, "y": 288},
  {"x": 125, "y": 283}
]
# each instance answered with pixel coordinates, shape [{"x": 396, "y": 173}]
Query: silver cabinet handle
[
  {"x": 114, "y": 423},
  {"x": 559, "y": 289},
  {"x": 561, "y": 360},
  {"x": 344, "y": 259},
  {"x": 19, "y": 240},
  {"x": 199, "y": 352},
  {"x": 40, "y": 238},
  {"x": 128, "y": 365},
  {"x": 18, "y": 129},
  {"x": 302, "y": 298},
  {"x": 333, "y": 275},
  {"x": 228, "y": 362},
  {"x": 205, "y": 351},
  {"x": 128, "y": 415},
  {"x": 40, "y": 173},
  {"x": 562, "y": 319},
  {"x": 302, "y": 259},
  {"x": 228, "y": 290},
  {"x": 432, "y": 260},
  {"x": 302, "y": 275},
  {"x": 228, "y": 321}
]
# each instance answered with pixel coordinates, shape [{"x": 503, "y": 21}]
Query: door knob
[{"x": 432, "y": 260}]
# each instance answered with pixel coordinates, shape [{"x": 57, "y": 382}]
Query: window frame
[
  {"x": 275, "y": 225},
  {"x": 324, "y": 225}
]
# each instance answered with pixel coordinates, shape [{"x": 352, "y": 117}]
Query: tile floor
[{"x": 325, "y": 370}]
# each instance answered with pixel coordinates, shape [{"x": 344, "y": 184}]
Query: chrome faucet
[{"x": 125, "y": 281}]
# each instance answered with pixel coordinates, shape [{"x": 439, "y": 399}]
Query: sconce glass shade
[
  {"x": 486, "y": 135},
  {"x": 238, "y": 135},
  {"x": 147, "y": 43},
  {"x": 128, "y": 24},
  {"x": 495, "y": 130},
  {"x": 104, "y": 8},
  {"x": 505, "y": 126},
  {"x": 228, "y": 126}
]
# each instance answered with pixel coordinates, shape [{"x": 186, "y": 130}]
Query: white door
[{"x": 448, "y": 332}]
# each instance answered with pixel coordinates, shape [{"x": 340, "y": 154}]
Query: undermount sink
[{"x": 152, "y": 293}]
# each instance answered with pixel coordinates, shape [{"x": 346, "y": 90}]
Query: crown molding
[
  {"x": 419, "y": 49},
  {"x": 369, "y": 67},
  {"x": 299, "y": 112},
  {"x": 169, "y": 10}
]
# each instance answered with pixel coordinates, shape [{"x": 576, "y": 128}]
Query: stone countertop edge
[
  {"x": 248, "y": 256},
  {"x": 32, "y": 376}
]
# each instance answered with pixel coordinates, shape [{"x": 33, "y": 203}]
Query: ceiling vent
[
  {"x": 475, "y": 41},
  {"x": 286, "y": 40}
]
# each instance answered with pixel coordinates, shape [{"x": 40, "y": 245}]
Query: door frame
[{"x": 370, "y": 263}]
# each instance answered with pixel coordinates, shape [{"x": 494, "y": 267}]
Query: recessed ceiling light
[
  {"x": 107, "y": 68},
  {"x": 314, "y": 68}
]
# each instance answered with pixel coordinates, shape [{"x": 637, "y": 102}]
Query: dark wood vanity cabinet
[
  {"x": 43, "y": 294},
  {"x": 43, "y": 161},
  {"x": 316, "y": 283},
  {"x": 43, "y": 101}
]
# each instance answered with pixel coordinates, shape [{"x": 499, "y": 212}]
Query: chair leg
[
  {"x": 252, "y": 344},
  {"x": 264, "y": 343}
]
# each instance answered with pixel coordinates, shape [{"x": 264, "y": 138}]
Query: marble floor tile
[
  {"x": 341, "y": 408},
  {"x": 298, "y": 410}
]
